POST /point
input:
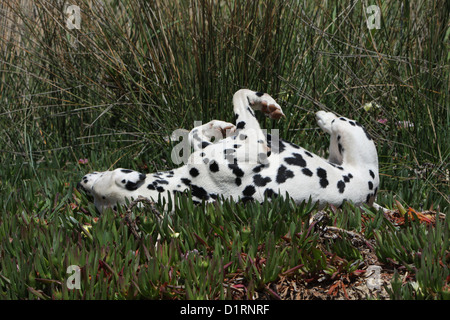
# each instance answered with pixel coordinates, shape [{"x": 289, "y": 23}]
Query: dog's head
[{"x": 109, "y": 188}]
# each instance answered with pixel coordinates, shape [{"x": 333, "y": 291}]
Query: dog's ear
[{"x": 128, "y": 179}]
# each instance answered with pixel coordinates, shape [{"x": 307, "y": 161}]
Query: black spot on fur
[
  {"x": 370, "y": 185},
  {"x": 269, "y": 193},
  {"x": 255, "y": 169},
  {"x": 341, "y": 186},
  {"x": 297, "y": 160},
  {"x": 250, "y": 111},
  {"x": 240, "y": 125},
  {"x": 205, "y": 144},
  {"x": 151, "y": 187},
  {"x": 238, "y": 181},
  {"x": 309, "y": 154},
  {"x": 322, "y": 174},
  {"x": 236, "y": 170},
  {"x": 335, "y": 165},
  {"x": 307, "y": 172},
  {"x": 284, "y": 174},
  {"x": 258, "y": 168},
  {"x": 259, "y": 94},
  {"x": 186, "y": 181},
  {"x": 199, "y": 192},
  {"x": 161, "y": 181},
  {"x": 131, "y": 186},
  {"x": 249, "y": 191},
  {"x": 246, "y": 199},
  {"x": 160, "y": 189},
  {"x": 214, "y": 167},
  {"x": 343, "y": 119},
  {"x": 352, "y": 123},
  {"x": 260, "y": 181},
  {"x": 213, "y": 196},
  {"x": 372, "y": 174},
  {"x": 340, "y": 148},
  {"x": 126, "y": 170},
  {"x": 194, "y": 172}
]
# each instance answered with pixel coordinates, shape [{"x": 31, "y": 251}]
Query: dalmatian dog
[{"x": 243, "y": 163}]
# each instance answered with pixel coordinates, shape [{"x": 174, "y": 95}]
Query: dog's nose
[{"x": 80, "y": 186}]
